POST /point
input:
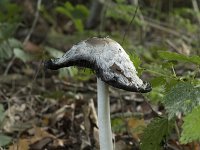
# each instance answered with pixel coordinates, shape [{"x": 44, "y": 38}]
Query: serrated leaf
[
  {"x": 191, "y": 130},
  {"x": 20, "y": 54},
  {"x": 181, "y": 98},
  {"x": 4, "y": 140},
  {"x": 179, "y": 57},
  {"x": 154, "y": 134}
]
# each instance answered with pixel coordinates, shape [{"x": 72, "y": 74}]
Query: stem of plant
[{"x": 105, "y": 132}]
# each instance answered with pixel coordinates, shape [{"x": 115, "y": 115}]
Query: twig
[
  {"x": 11, "y": 62},
  {"x": 154, "y": 112},
  {"x": 35, "y": 76},
  {"x": 27, "y": 37},
  {"x": 177, "y": 129},
  {"x": 9, "y": 65},
  {"x": 168, "y": 30},
  {"x": 172, "y": 45},
  {"x": 95, "y": 13},
  {"x": 34, "y": 22},
  {"x": 130, "y": 23}
]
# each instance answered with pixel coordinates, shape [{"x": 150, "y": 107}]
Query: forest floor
[{"x": 55, "y": 110}]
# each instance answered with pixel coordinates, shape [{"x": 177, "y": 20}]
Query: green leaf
[
  {"x": 80, "y": 12},
  {"x": 191, "y": 127},
  {"x": 157, "y": 94},
  {"x": 63, "y": 11},
  {"x": 179, "y": 57},
  {"x": 135, "y": 59},
  {"x": 155, "y": 133},
  {"x": 68, "y": 6},
  {"x": 158, "y": 81},
  {"x": 25, "y": 57},
  {"x": 6, "y": 48},
  {"x": 78, "y": 24},
  {"x": 118, "y": 125},
  {"x": 10, "y": 12},
  {"x": 4, "y": 140},
  {"x": 1, "y": 113},
  {"x": 54, "y": 52},
  {"x": 181, "y": 98}
]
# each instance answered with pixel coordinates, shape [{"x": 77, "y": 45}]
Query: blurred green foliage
[
  {"x": 9, "y": 20},
  {"x": 77, "y": 14}
]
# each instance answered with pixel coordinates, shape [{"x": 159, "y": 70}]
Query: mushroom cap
[{"x": 108, "y": 59}]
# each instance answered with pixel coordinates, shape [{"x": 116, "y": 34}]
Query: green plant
[
  {"x": 180, "y": 95},
  {"x": 77, "y": 14},
  {"x": 9, "y": 21},
  {"x": 155, "y": 133},
  {"x": 120, "y": 11}
]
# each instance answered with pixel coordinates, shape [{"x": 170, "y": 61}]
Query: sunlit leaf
[
  {"x": 79, "y": 25},
  {"x": 54, "y": 52},
  {"x": 191, "y": 130},
  {"x": 158, "y": 81},
  {"x": 179, "y": 57},
  {"x": 64, "y": 11},
  {"x": 136, "y": 60},
  {"x": 69, "y": 6},
  {"x": 25, "y": 57},
  {"x": 181, "y": 98}
]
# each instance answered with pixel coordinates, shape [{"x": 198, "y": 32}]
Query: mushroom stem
[{"x": 105, "y": 132}]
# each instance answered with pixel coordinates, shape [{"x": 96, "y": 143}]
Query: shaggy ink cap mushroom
[{"x": 108, "y": 59}]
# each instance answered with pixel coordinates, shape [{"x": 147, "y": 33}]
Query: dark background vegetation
[{"x": 55, "y": 110}]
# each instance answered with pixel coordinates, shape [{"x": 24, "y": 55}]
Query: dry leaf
[
  {"x": 136, "y": 127},
  {"x": 22, "y": 144}
]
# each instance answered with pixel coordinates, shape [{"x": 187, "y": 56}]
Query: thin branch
[
  {"x": 130, "y": 24},
  {"x": 9, "y": 65},
  {"x": 168, "y": 30},
  {"x": 27, "y": 37},
  {"x": 34, "y": 22}
]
